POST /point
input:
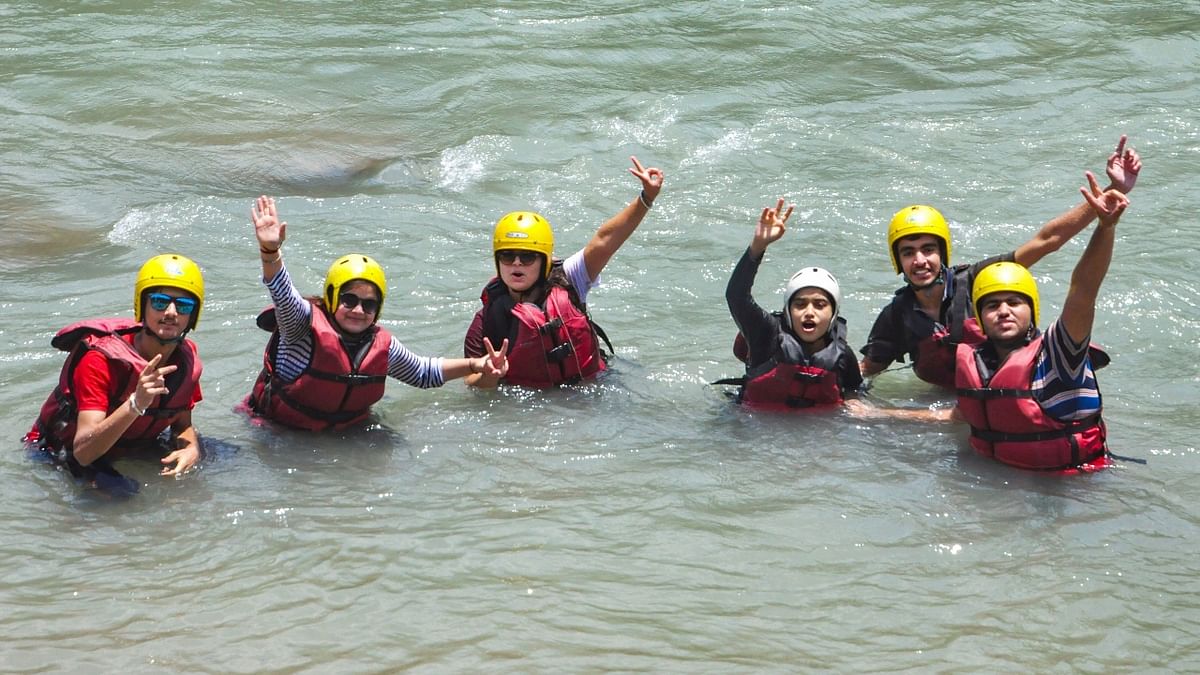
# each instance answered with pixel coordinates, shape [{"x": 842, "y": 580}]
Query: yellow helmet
[
  {"x": 349, "y": 268},
  {"x": 915, "y": 220},
  {"x": 524, "y": 231},
  {"x": 1005, "y": 276},
  {"x": 169, "y": 270}
]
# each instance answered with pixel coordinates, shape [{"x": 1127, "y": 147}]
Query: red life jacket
[
  {"x": 57, "y": 422},
  {"x": 1008, "y": 424},
  {"x": 934, "y": 355},
  {"x": 334, "y": 391},
  {"x": 791, "y": 379},
  {"x": 554, "y": 342}
]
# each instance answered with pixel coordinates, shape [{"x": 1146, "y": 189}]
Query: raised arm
[
  {"x": 270, "y": 233},
  {"x": 617, "y": 229},
  {"x": 772, "y": 224},
  {"x": 1122, "y": 168},
  {"x": 1079, "y": 309}
]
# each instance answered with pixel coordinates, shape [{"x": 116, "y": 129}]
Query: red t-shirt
[{"x": 95, "y": 379}]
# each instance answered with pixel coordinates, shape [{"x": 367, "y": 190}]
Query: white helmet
[{"x": 813, "y": 277}]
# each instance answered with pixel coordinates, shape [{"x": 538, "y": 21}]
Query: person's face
[
  {"x": 811, "y": 312},
  {"x": 358, "y": 306},
  {"x": 519, "y": 270},
  {"x": 920, "y": 258},
  {"x": 1005, "y": 316},
  {"x": 168, "y": 311}
]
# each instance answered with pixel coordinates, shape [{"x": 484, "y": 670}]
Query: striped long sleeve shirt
[
  {"x": 294, "y": 316},
  {"x": 1064, "y": 383}
]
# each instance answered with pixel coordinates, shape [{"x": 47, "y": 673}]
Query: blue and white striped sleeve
[
  {"x": 419, "y": 371},
  {"x": 292, "y": 312},
  {"x": 1063, "y": 380}
]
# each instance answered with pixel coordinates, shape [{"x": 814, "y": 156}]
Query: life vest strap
[
  {"x": 1086, "y": 460},
  {"x": 353, "y": 379},
  {"x": 331, "y": 417},
  {"x": 162, "y": 413},
  {"x": 738, "y": 381},
  {"x": 560, "y": 353},
  {"x": 985, "y": 394},
  {"x": 992, "y": 436},
  {"x": 798, "y": 402}
]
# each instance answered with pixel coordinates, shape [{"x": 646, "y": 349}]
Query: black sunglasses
[
  {"x": 161, "y": 301},
  {"x": 350, "y": 301},
  {"x": 509, "y": 257}
]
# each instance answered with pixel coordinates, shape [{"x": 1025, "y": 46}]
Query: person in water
[
  {"x": 538, "y": 303},
  {"x": 327, "y": 359},
  {"x": 1030, "y": 397},
  {"x": 925, "y": 318},
  {"x": 796, "y": 358},
  {"x": 126, "y": 382}
]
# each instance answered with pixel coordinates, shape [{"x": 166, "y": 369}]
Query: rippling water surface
[{"x": 641, "y": 522}]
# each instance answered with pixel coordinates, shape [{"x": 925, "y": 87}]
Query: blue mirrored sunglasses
[{"x": 160, "y": 302}]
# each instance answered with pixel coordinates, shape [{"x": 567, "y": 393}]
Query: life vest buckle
[
  {"x": 560, "y": 353},
  {"x": 356, "y": 378},
  {"x": 551, "y": 326}
]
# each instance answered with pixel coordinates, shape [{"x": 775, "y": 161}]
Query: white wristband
[{"x": 134, "y": 408}]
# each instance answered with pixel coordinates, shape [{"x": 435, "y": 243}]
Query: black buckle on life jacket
[
  {"x": 798, "y": 402},
  {"x": 551, "y": 326},
  {"x": 358, "y": 378},
  {"x": 560, "y": 353},
  {"x": 806, "y": 377}
]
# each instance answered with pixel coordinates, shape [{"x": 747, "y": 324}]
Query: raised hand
[
  {"x": 652, "y": 179},
  {"x": 772, "y": 224},
  {"x": 1123, "y": 167},
  {"x": 152, "y": 382},
  {"x": 267, "y": 227},
  {"x": 1109, "y": 205},
  {"x": 495, "y": 363}
]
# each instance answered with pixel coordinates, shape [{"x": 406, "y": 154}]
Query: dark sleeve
[
  {"x": 756, "y": 324},
  {"x": 886, "y": 342},
  {"x": 473, "y": 343},
  {"x": 850, "y": 375}
]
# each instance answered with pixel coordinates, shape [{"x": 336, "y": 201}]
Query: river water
[{"x": 640, "y": 523}]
